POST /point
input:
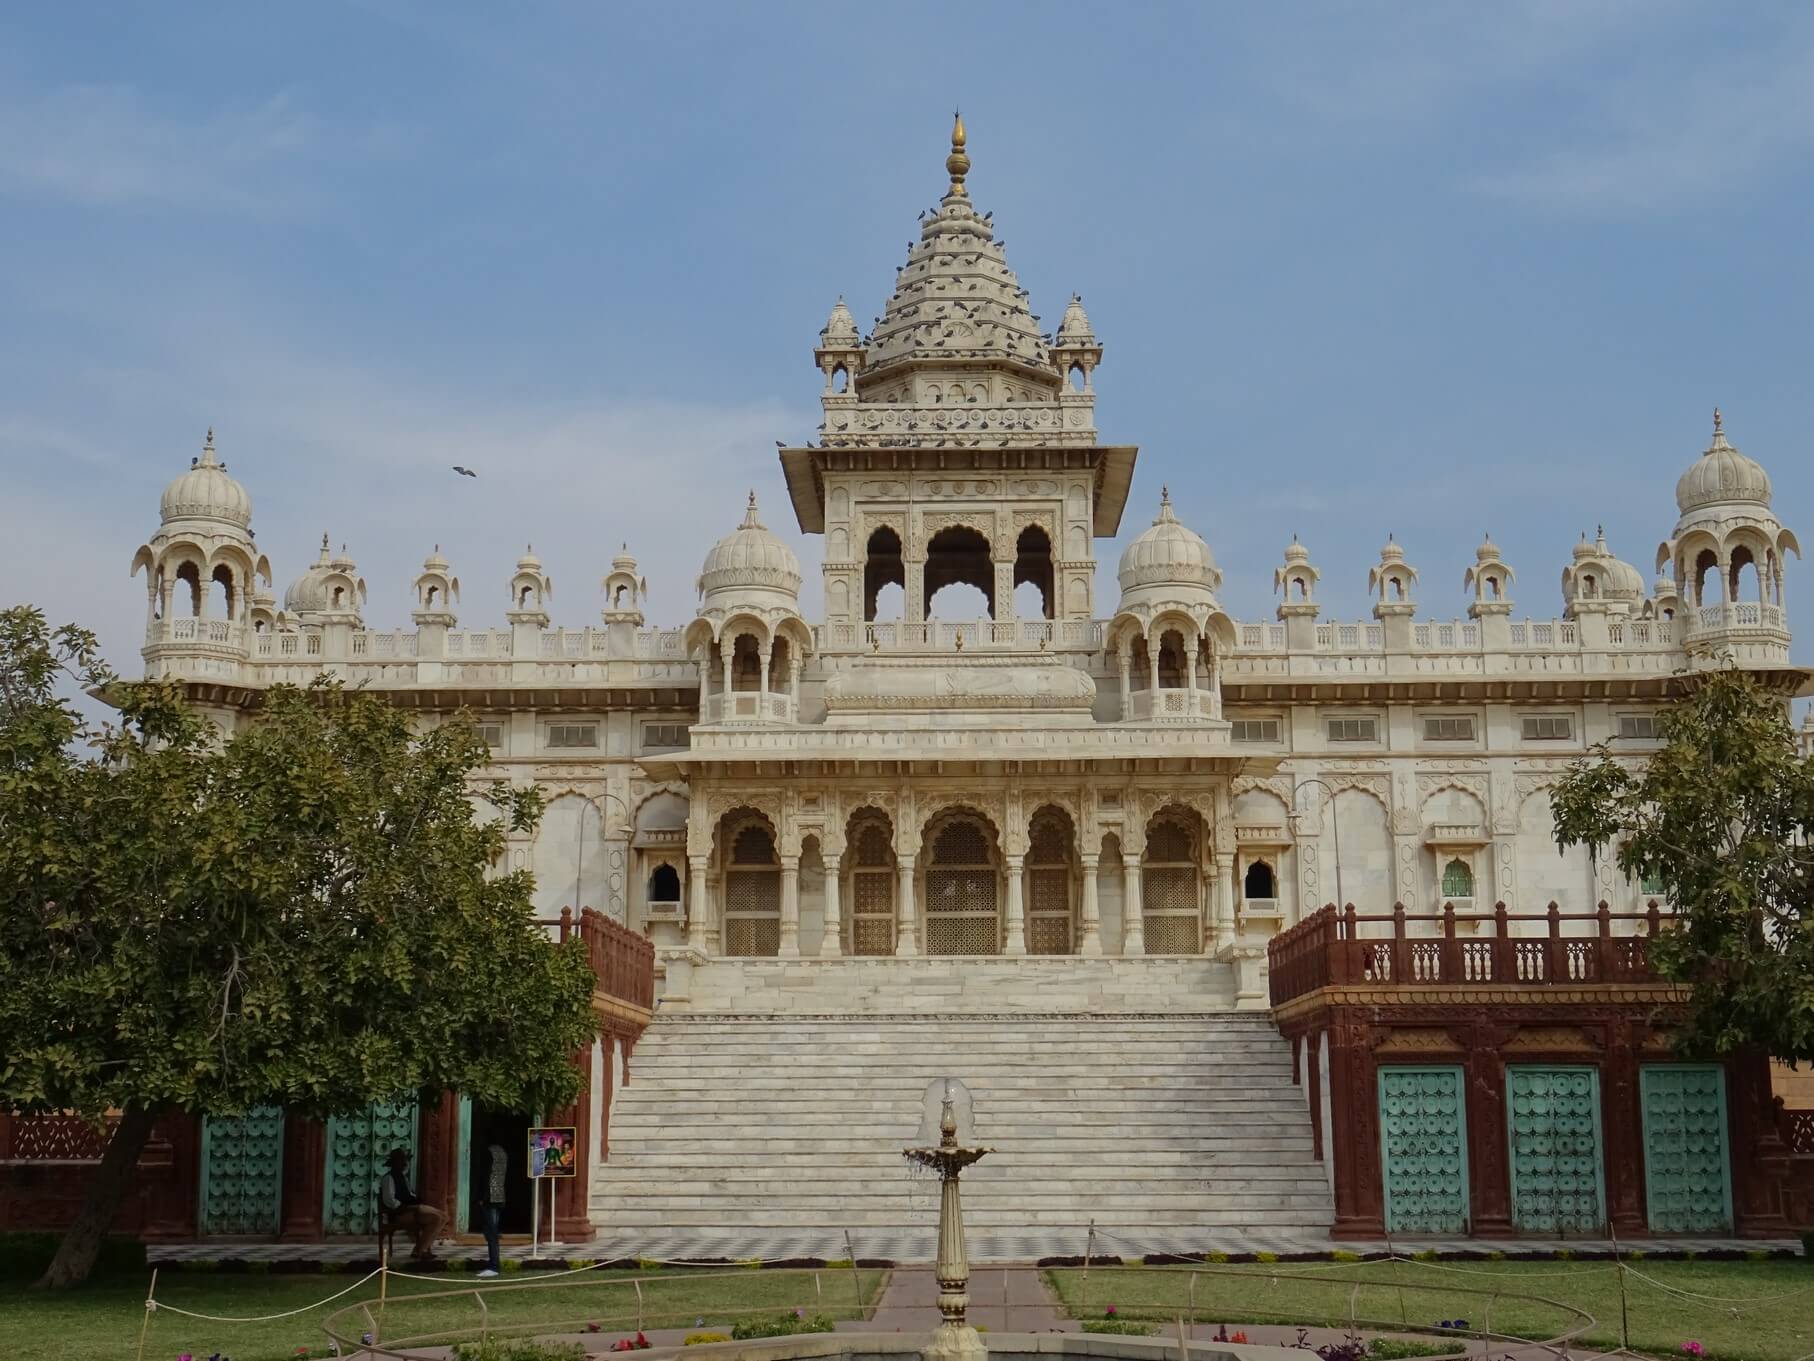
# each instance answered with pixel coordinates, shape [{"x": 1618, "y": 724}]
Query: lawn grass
[
  {"x": 1762, "y": 1311},
  {"x": 100, "y": 1321}
]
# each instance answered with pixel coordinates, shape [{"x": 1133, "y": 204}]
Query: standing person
[
  {"x": 404, "y": 1207},
  {"x": 491, "y": 1209}
]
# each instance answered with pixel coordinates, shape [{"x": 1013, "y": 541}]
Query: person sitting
[{"x": 405, "y": 1209}]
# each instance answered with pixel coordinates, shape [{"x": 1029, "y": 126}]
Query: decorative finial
[
  {"x": 210, "y": 443},
  {"x": 1165, "y": 494},
  {"x": 957, "y": 163},
  {"x": 1716, "y": 420}
]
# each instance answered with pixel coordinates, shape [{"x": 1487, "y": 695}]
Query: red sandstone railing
[
  {"x": 1332, "y": 948},
  {"x": 623, "y": 962},
  {"x": 53, "y": 1138}
]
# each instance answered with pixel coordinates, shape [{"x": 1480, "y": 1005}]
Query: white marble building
[{"x": 1140, "y": 777}]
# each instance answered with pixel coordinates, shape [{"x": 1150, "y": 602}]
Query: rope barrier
[{"x": 153, "y": 1305}]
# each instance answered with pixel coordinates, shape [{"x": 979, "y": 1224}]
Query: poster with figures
[{"x": 551, "y": 1151}]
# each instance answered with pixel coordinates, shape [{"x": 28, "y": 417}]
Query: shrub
[
  {"x": 1219, "y": 1258},
  {"x": 459, "y": 1266},
  {"x": 1388, "y": 1349},
  {"x": 1340, "y": 1255},
  {"x": 1122, "y": 1327},
  {"x": 696, "y": 1339},
  {"x": 511, "y": 1265},
  {"x": 1265, "y": 1257},
  {"x": 779, "y": 1325},
  {"x": 647, "y": 1264},
  {"x": 519, "y": 1349}
]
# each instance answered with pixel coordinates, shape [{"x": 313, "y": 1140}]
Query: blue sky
[{"x": 1427, "y": 269}]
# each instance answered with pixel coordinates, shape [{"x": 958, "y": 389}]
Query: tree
[
  {"x": 1718, "y": 822},
  {"x": 300, "y": 914}
]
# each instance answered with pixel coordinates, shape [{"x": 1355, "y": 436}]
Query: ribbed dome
[
  {"x": 750, "y": 556},
  {"x": 840, "y": 328},
  {"x": 1074, "y": 328},
  {"x": 205, "y": 492},
  {"x": 625, "y": 561},
  {"x": 1488, "y": 550},
  {"x": 308, "y": 593},
  {"x": 1721, "y": 474},
  {"x": 1168, "y": 553}
]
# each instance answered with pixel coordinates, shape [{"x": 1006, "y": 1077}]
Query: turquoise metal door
[
  {"x": 242, "y": 1172},
  {"x": 1687, "y": 1169},
  {"x": 357, "y": 1148},
  {"x": 1423, "y": 1132},
  {"x": 1557, "y": 1181}
]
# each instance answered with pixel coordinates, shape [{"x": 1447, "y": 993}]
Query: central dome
[
  {"x": 750, "y": 556},
  {"x": 1720, "y": 475},
  {"x": 1169, "y": 553}
]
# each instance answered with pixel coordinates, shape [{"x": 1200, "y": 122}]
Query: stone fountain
[{"x": 954, "y": 1339}]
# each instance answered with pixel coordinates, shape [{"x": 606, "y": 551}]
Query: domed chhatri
[
  {"x": 840, "y": 327},
  {"x": 206, "y": 492},
  {"x": 750, "y": 558},
  {"x": 331, "y": 590},
  {"x": 1168, "y": 553},
  {"x": 1722, "y": 475}
]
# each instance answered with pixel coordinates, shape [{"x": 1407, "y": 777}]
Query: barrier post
[
  {"x": 856, "y": 1277},
  {"x": 150, "y": 1308},
  {"x": 1089, "y": 1247}
]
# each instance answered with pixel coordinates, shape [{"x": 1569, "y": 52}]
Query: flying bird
[{"x": 464, "y": 472}]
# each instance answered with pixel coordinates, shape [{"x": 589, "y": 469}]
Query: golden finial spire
[{"x": 957, "y": 162}]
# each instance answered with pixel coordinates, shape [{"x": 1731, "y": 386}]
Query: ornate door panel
[
  {"x": 1049, "y": 910},
  {"x": 1423, "y": 1132},
  {"x": 963, "y": 906},
  {"x": 1687, "y": 1169},
  {"x": 242, "y": 1172},
  {"x": 357, "y": 1148},
  {"x": 1558, "y": 1183}
]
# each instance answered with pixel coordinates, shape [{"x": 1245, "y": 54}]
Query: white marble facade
[{"x": 1147, "y": 776}]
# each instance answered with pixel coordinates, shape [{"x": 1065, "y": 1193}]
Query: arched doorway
[
  {"x": 752, "y": 888},
  {"x": 1171, "y": 884},
  {"x": 963, "y": 899},
  {"x": 872, "y": 881},
  {"x": 1050, "y": 874},
  {"x": 957, "y": 555}
]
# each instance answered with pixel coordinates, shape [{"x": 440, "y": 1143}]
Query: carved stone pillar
[
  {"x": 1004, "y": 589},
  {"x": 1133, "y": 920},
  {"x": 831, "y": 945},
  {"x": 698, "y": 903},
  {"x": 1224, "y": 929},
  {"x": 1089, "y": 935},
  {"x": 1016, "y": 943},
  {"x": 766, "y": 652},
  {"x": 724, "y": 652},
  {"x": 907, "y": 933},
  {"x": 1127, "y": 683},
  {"x": 790, "y": 908}
]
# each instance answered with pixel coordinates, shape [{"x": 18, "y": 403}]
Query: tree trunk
[{"x": 107, "y": 1188}]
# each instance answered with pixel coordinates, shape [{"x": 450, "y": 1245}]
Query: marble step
[{"x": 749, "y": 1125}]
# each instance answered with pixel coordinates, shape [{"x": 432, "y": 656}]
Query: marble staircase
[{"x": 764, "y": 1136}]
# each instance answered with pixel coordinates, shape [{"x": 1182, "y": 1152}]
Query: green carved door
[
  {"x": 1687, "y": 1171},
  {"x": 357, "y": 1148},
  {"x": 1554, "y": 1119},
  {"x": 242, "y": 1172},
  {"x": 1423, "y": 1132}
]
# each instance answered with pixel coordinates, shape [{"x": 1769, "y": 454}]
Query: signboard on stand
[{"x": 553, "y": 1153}]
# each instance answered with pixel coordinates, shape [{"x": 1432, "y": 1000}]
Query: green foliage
[
  {"x": 780, "y": 1325},
  {"x": 1124, "y": 1327},
  {"x": 1720, "y": 818},
  {"x": 519, "y": 1349},
  {"x": 1342, "y": 1255},
  {"x": 699, "y": 1339},
  {"x": 1392, "y": 1349},
  {"x": 24, "y": 1255},
  {"x": 1265, "y": 1257},
  {"x": 298, "y": 914},
  {"x": 510, "y": 1266}
]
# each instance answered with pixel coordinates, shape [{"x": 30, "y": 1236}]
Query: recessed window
[
  {"x": 573, "y": 734},
  {"x": 1652, "y": 886},
  {"x": 665, "y": 737},
  {"x": 1353, "y": 730},
  {"x": 1254, "y": 730},
  {"x": 1457, "y": 879},
  {"x": 1449, "y": 729},
  {"x": 491, "y": 734},
  {"x": 1642, "y": 726},
  {"x": 1548, "y": 728}
]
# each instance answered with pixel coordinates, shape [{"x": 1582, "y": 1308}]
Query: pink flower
[
  {"x": 1109, "y": 1312},
  {"x": 1694, "y": 1349}
]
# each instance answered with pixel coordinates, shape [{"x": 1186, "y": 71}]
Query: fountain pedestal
[{"x": 954, "y": 1339}]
